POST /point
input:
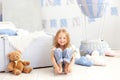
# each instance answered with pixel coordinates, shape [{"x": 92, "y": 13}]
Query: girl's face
[{"x": 62, "y": 39}]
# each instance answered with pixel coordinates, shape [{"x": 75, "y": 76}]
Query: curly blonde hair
[{"x": 62, "y": 30}]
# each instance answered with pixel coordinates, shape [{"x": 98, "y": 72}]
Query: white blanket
[{"x": 21, "y": 42}]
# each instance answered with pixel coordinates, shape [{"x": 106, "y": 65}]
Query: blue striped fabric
[{"x": 92, "y": 8}]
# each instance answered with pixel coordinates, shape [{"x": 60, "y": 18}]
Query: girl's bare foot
[
  {"x": 60, "y": 68},
  {"x": 66, "y": 71}
]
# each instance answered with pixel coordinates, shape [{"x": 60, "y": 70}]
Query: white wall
[
  {"x": 112, "y": 28},
  {"x": 0, "y": 7},
  {"x": 27, "y": 14},
  {"x": 23, "y": 13}
]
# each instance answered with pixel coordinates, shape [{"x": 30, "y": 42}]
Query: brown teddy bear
[{"x": 16, "y": 65}]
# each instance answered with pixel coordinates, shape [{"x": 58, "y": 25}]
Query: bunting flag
[
  {"x": 63, "y": 22},
  {"x": 114, "y": 11},
  {"x": 60, "y": 13},
  {"x": 92, "y": 8}
]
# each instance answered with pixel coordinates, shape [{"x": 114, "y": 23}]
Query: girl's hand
[{"x": 58, "y": 70}]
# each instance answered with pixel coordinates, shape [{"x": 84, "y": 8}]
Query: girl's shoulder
[
  {"x": 53, "y": 48},
  {"x": 72, "y": 47}
]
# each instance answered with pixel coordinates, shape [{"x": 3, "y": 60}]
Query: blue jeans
[{"x": 63, "y": 56}]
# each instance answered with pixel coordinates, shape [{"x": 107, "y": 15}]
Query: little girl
[{"x": 62, "y": 56}]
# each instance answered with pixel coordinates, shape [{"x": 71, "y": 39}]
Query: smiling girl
[{"x": 62, "y": 55}]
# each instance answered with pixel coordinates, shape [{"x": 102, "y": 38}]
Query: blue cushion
[
  {"x": 8, "y": 32},
  {"x": 83, "y": 61}
]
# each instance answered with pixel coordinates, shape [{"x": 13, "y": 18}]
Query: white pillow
[
  {"x": 7, "y": 25},
  {"x": 22, "y": 32}
]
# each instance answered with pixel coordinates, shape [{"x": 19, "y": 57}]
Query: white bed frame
[
  {"x": 38, "y": 52},
  {"x": 2, "y": 55}
]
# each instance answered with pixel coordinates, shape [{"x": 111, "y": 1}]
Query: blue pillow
[
  {"x": 8, "y": 32},
  {"x": 84, "y": 61}
]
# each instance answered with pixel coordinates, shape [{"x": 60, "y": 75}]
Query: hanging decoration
[
  {"x": 58, "y": 13},
  {"x": 114, "y": 11},
  {"x": 92, "y": 8}
]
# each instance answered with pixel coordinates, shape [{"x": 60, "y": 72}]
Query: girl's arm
[
  {"x": 73, "y": 56},
  {"x": 53, "y": 59},
  {"x": 72, "y": 60},
  {"x": 57, "y": 68},
  {"x": 71, "y": 63}
]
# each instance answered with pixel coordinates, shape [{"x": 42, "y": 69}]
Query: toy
[
  {"x": 88, "y": 47},
  {"x": 110, "y": 53},
  {"x": 97, "y": 60},
  {"x": 16, "y": 65}
]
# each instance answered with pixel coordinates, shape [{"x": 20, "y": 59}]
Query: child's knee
[
  {"x": 58, "y": 50},
  {"x": 68, "y": 50}
]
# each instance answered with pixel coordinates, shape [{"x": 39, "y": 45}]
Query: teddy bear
[{"x": 16, "y": 65}]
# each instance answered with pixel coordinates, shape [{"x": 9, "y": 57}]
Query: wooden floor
[{"x": 109, "y": 72}]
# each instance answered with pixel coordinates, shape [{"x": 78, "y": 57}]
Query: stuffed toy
[
  {"x": 16, "y": 65},
  {"x": 110, "y": 53},
  {"x": 97, "y": 60},
  {"x": 84, "y": 61}
]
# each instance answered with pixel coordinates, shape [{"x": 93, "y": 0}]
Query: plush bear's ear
[
  {"x": 19, "y": 51},
  {"x": 8, "y": 55}
]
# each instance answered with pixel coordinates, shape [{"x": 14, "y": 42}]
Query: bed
[
  {"x": 35, "y": 47},
  {"x": 37, "y": 50},
  {"x": 2, "y": 62}
]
